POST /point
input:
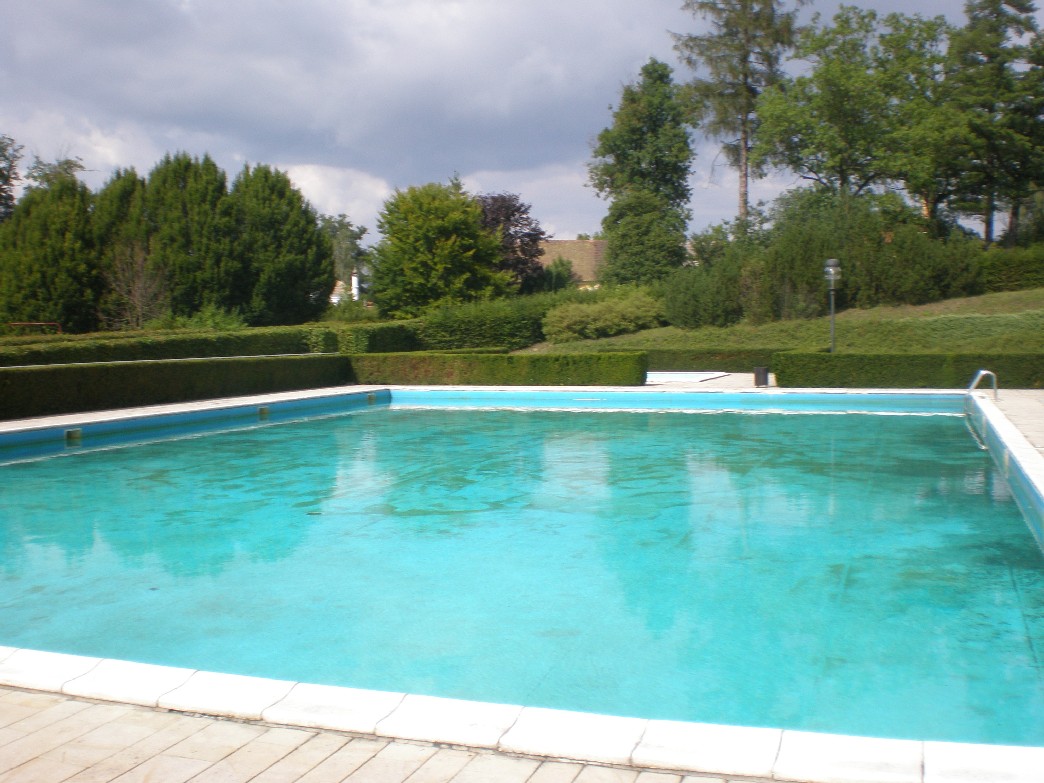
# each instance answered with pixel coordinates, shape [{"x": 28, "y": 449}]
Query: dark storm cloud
[{"x": 353, "y": 97}]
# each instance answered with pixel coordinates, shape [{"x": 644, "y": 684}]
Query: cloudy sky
[{"x": 355, "y": 98}]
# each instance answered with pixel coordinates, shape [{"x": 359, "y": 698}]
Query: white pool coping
[{"x": 709, "y": 749}]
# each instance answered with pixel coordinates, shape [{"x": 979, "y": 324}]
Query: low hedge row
[
  {"x": 563, "y": 369},
  {"x": 267, "y": 341},
  {"x": 721, "y": 359},
  {"x": 906, "y": 371},
  {"x": 75, "y": 388}
]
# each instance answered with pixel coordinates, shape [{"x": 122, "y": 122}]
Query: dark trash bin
[{"x": 761, "y": 376}]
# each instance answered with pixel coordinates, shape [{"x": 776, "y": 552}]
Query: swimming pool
[{"x": 744, "y": 556}]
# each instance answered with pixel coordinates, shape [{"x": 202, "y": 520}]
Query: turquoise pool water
[{"x": 857, "y": 574}]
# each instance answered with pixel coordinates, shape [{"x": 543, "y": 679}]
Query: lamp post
[{"x": 832, "y": 273}]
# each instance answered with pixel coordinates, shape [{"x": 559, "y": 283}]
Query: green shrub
[
  {"x": 512, "y": 322},
  {"x": 75, "y": 388},
  {"x": 704, "y": 296},
  {"x": 209, "y": 317},
  {"x": 906, "y": 371},
  {"x": 1013, "y": 269},
  {"x": 352, "y": 311},
  {"x": 429, "y": 368},
  {"x": 632, "y": 312}
]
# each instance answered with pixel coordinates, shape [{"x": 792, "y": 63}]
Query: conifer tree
[
  {"x": 283, "y": 269},
  {"x": 741, "y": 55}
]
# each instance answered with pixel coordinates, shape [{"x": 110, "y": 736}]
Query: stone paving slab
[{"x": 52, "y": 738}]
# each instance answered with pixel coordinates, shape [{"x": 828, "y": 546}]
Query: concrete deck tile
[
  {"x": 831, "y": 758},
  {"x": 128, "y": 682},
  {"x": 594, "y": 774},
  {"x": 951, "y": 762},
  {"x": 9, "y": 735},
  {"x": 491, "y": 768},
  {"x": 173, "y": 730},
  {"x": 48, "y": 714},
  {"x": 344, "y": 761},
  {"x": 453, "y": 721},
  {"x": 54, "y": 735},
  {"x": 302, "y": 759},
  {"x": 574, "y": 735},
  {"x": 657, "y": 777},
  {"x": 343, "y": 709},
  {"x": 40, "y": 770},
  {"x": 725, "y": 750},
  {"x": 168, "y": 769},
  {"x": 43, "y": 671},
  {"x": 229, "y": 695},
  {"x": 556, "y": 772},
  {"x": 215, "y": 741},
  {"x": 100, "y": 744},
  {"x": 255, "y": 757},
  {"x": 393, "y": 764},
  {"x": 442, "y": 767}
]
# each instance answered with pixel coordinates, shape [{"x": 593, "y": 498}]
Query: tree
[
  {"x": 645, "y": 238},
  {"x": 998, "y": 60},
  {"x": 283, "y": 269},
  {"x": 641, "y": 164},
  {"x": 191, "y": 231},
  {"x": 10, "y": 155},
  {"x": 520, "y": 238},
  {"x": 831, "y": 125},
  {"x": 927, "y": 126},
  {"x": 434, "y": 251},
  {"x": 742, "y": 56},
  {"x": 48, "y": 260},
  {"x": 136, "y": 290}
]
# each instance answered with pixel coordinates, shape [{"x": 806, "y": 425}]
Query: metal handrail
[
  {"x": 980, "y": 441},
  {"x": 979, "y": 376}
]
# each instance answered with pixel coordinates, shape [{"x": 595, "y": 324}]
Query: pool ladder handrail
[
  {"x": 979, "y": 376},
  {"x": 979, "y": 440}
]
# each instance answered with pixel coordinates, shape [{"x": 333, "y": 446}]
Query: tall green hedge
[
  {"x": 906, "y": 371},
  {"x": 589, "y": 369},
  {"x": 75, "y": 388}
]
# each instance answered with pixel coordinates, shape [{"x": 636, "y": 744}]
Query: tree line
[
  {"x": 949, "y": 120},
  {"x": 167, "y": 246}
]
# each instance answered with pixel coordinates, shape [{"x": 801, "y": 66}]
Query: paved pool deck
[{"x": 65, "y": 721}]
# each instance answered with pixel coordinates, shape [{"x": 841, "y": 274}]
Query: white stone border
[{"x": 778, "y": 754}]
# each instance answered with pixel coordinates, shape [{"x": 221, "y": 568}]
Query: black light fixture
[{"x": 832, "y": 273}]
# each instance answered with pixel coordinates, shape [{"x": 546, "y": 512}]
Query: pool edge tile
[
  {"x": 835, "y": 758},
  {"x": 455, "y": 721},
  {"x": 574, "y": 735},
  {"x": 39, "y": 670},
  {"x": 128, "y": 682},
  {"x": 228, "y": 695},
  {"x": 958, "y": 762},
  {"x": 333, "y": 707},
  {"x": 709, "y": 748}
]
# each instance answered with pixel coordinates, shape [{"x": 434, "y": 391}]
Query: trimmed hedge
[
  {"x": 563, "y": 369},
  {"x": 75, "y": 388},
  {"x": 698, "y": 360},
  {"x": 906, "y": 371},
  {"x": 267, "y": 341}
]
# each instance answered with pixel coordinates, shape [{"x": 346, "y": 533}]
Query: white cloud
[{"x": 334, "y": 191}]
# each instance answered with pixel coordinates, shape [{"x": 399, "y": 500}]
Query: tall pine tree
[{"x": 741, "y": 56}]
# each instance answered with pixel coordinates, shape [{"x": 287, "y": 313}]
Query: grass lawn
[{"x": 1011, "y": 321}]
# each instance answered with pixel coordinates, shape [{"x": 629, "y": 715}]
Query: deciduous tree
[
  {"x": 520, "y": 235},
  {"x": 434, "y": 250},
  {"x": 641, "y": 164},
  {"x": 10, "y": 155}
]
